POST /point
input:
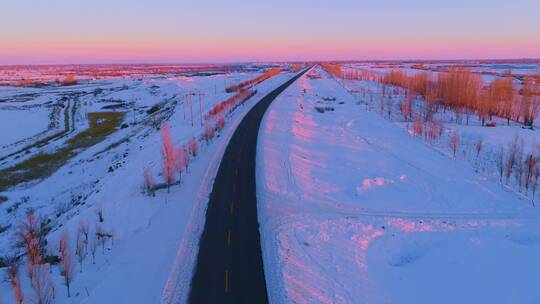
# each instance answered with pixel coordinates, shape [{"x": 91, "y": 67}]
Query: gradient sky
[{"x": 123, "y": 31}]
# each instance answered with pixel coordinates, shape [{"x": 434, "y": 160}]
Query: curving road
[{"x": 229, "y": 266}]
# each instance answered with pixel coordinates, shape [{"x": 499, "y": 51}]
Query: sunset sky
[{"x": 108, "y": 31}]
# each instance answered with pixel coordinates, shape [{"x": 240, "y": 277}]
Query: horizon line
[{"x": 271, "y": 61}]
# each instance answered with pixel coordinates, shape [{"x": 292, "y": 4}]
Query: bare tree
[
  {"x": 520, "y": 165},
  {"x": 31, "y": 238},
  {"x": 81, "y": 253},
  {"x": 168, "y": 154},
  {"x": 44, "y": 291},
  {"x": 66, "y": 264},
  {"x": 193, "y": 147},
  {"x": 418, "y": 126},
  {"x": 406, "y": 106},
  {"x": 500, "y": 163},
  {"x": 182, "y": 159},
  {"x": 389, "y": 106},
  {"x": 93, "y": 244},
  {"x": 485, "y": 107},
  {"x": 83, "y": 231},
  {"x": 209, "y": 133},
  {"x": 14, "y": 280},
  {"x": 531, "y": 162},
  {"x": 530, "y": 103},
  {"x": 503, "y": 95},
  {"x": 454, "y": 143},
  {"x": 535, "y": 182},
  {"x": 511, "y": 159},
  {"x": 478, "y": 146},
  {"x": 432, "y": 131}
]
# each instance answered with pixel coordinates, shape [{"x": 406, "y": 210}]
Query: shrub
[
  {"x": 69, "y": 80},
  {"x": 148, "y": 182}
]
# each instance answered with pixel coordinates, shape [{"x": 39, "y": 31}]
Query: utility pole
[
  {"x": 200, "y": 107},
  {"x": 191, "y": 107},
  {"x": 184, "y": 105}
]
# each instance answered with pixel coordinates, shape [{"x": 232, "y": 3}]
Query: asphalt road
[{"x": 229, "y": 265}]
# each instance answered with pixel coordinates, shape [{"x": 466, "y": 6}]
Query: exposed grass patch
[{"x": 39, "y": 166}]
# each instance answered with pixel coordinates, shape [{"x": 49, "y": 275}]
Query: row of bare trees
[
  {"x": 176, "y": 158},
  {"x": 296, "y": 67},
  {"x": 175, "y": 161},
  {"x": 333, "y": 68},
  {"x": 249, "y": 83},
  {"x": 465, "y": 93},
  {"x": 31, "y": 238},
  {"x": 460, "y": 90},
  {"x": 513, "y": 162},
  {"x": 229, "y": 105},
  {"x": 40, "y": 256}
]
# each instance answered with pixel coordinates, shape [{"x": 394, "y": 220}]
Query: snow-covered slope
[{"x": 354, "y": 210}]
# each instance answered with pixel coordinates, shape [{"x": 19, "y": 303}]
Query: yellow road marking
[
  {"x": 226, "y": 280},
  {"x": 229, "y": 238}
]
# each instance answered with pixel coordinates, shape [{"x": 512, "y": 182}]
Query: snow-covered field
[
  {"x": 154, "y": 237},
  {"x": 355, "y": 210},
  {"x": 18, "y": 125},
  {"x": 479, "y": 145}
]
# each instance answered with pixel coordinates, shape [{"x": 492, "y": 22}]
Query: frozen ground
[
  {"x": 155, "y": 238},
  {"x": 354, "y": 210}
]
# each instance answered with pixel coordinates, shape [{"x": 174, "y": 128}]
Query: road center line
[{"x": 226, "y": 280}]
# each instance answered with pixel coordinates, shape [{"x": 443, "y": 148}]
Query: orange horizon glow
[{"x": 216, "y": 51}]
